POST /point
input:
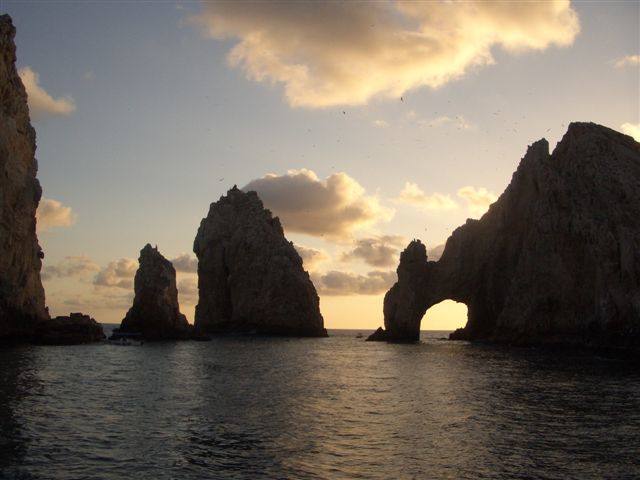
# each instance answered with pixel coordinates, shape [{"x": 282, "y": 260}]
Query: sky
[{"x": 361, "y": 125}]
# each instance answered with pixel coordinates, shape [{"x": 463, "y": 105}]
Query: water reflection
[
  {"x": 17, "y": 381},
  {"x": 315, "y": 408}
]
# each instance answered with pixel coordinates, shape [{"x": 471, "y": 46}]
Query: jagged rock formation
[
  {"x": 555, "y": 260},
  {"x": 250, "y": 278},
  {"x": 69, "y": 330},
  {"x": 155, "y": 312},
  {"x": 22, "y": 302}
]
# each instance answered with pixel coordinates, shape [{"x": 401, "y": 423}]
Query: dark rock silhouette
[
  {"x": 155, "y": 312},
  {"x": 379, "y": 335},
  {"x": 69, "y": 330},
  {"x": 23, "y": 314},
  {"x": 22, "y": 302},
  {"x": 555, "y": 260},
  {"x": 250, "y": 278}
]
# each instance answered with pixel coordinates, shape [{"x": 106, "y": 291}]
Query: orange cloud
[
  {"x": 335, "y": 283},
  {"x": 632, "y": 129},
  {"x": 478, "y": 199},
  {"x": 52, "y": 213},
  {"x": 41, "y": 103},
  {"x": 334, "y": 207},
  {"x": 345, "y": 53},
  {"x": 412, "y": 194},
  {"x": 311, "y": 257}
]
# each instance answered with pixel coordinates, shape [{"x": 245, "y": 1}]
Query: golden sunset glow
[{"x": 361, "y": 126}]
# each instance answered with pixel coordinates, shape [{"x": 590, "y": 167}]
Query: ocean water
[{"x": 316, "y": 408}]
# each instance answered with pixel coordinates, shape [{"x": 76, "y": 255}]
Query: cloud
[
  {"x": 117, "y": 274},
  {"x": 311, "y": 257},
  {"x": 345, "y": 53},
  {"x": 71, "y": 266},
  {"x": 380, "y": 123},
  {"x": 411, "y": 194},
  {"x": 628, "y": 61},
  {"x": 106, "y": 300},
  {"x": 185, "y": 262},
  {"x": 41, "y": 104},
  {"x": 434, "y": 254},
  {"x": 478, "y": 199},
  {"x": 188, "y": 291},
  {"x": 334, "y": 207},
  {"x": 381, "y": 251},
  {"x": 52, "y": 213},
  {"x": 458, "y": 122},
  {"x": 632, "y": 129},
  {"x": 336, "y": 283}
]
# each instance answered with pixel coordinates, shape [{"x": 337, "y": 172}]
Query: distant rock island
[
  {"x": 68, "y": 330},
  {"x": 555, "y": 260},
  {"x": 23, "y": 314},
  {"x": 155, "y": 312},
  {"x": 250, "y": 278}
]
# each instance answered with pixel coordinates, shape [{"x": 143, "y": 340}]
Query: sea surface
[{"x": 254, "y": 408}]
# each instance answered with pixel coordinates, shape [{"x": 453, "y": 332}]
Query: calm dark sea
[{"x": 315, "y": 408}]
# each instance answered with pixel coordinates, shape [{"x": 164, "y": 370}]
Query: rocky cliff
[
  {"x": 22, "y": 302},
  {"x": 155, "y": 312},
  {"x": 250, "y": 278},
  {"x": 555, "y": 260}
]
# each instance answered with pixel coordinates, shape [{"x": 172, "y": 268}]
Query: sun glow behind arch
[{"x": 446, "y": 315}]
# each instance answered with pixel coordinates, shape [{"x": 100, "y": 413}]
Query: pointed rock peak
[
  {"x": 539, "y": 149},
  {"x": 155, "y": 312},
  {"x": 148, "y": 249},
  {"x": 149, "y": 253},
  {"x": 415, "y": 251},
  {"x": 240, "y": 199}
]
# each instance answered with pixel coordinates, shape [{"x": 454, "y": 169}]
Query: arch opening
[{"x": 447, "y": 315}]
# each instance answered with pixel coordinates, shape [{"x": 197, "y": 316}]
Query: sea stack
[
  {"x": 250, "y": 278},
  {"x": 155, "y": 312},
  {"x": 22, "y": 302},
  {"x": 555, "y": 260}
]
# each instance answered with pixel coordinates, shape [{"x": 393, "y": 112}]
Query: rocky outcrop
[
  {"x": 74, "y": 329},
  {"x": 380, "y": 335},
  {"x": 22, "y": 302},
  {"x": 555, "y": 260},
  {"x": 250, "y": 278},
  {"x": 155, "y": 312}
]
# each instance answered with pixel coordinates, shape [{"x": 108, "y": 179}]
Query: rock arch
[{"x": 556, "y": 259}]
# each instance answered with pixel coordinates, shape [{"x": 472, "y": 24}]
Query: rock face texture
[
  {"x": 250, "y": 278},
  {"x": 75, "y": 329},
  {"x": 555, "y": 260},
  {"x": 22, "y": 302},
  {"x": 155, "y": 312}
]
